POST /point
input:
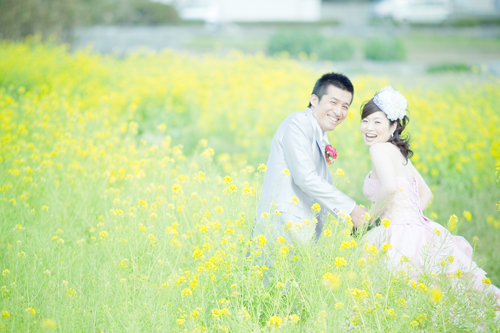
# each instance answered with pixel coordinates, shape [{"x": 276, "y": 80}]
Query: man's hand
[{"x": 357, "y": 214}]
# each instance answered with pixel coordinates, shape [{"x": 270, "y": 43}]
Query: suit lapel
[{"x": 319, "y": 141}]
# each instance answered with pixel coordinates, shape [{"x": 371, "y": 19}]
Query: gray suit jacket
[{"x": 296, "y": 146}]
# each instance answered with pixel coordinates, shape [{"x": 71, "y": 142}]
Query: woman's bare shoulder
[{"x": 382, "y": 148}]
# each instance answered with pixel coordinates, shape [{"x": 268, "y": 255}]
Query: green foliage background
[{"x": 20, "y": 18}]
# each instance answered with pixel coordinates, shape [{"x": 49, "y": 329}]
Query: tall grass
[{"x": 129, "y": 190}]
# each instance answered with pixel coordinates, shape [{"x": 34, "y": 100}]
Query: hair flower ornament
[{"x": 392, "y": 102}]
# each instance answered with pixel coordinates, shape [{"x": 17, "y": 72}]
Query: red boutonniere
[{"x": 330, "y": 154}]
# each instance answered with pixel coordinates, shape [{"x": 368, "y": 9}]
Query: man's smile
[{"x": 334, "y": 119}]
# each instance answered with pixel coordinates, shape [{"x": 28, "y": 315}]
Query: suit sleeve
[{"x": 299, "y": 158}]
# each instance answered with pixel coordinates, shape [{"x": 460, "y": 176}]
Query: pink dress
[{"x": 425, "y": 245}]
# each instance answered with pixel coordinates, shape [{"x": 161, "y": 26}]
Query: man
[{"x": 297, "y": 175}]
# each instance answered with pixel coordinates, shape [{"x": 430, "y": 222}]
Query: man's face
[{"x": 332, "y": 109}]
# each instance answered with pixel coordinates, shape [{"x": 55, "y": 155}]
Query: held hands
[{"x": 357, "y": 215}]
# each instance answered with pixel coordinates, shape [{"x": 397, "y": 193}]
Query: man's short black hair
[{"x": 335, "y": 79}]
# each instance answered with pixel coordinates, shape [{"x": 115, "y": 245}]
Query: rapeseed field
[{"x": 129, "y": 187}]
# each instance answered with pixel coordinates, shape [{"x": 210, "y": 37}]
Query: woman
[{"x": 400, "y": 194}]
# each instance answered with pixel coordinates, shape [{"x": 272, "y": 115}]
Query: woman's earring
[{"x": 392, "y": 135}]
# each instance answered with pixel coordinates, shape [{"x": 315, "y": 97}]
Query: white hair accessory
[{"x": 392, "y": 102}]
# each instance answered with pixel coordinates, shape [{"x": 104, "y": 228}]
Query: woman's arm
[
  {"x": 424, "y": 192},
  {"x": 384, "y": 168}
]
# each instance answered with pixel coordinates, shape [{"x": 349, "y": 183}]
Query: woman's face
[{"x": 376, "y": 128}]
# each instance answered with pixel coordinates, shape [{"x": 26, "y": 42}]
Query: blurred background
[{"x": 390, "y": 37}]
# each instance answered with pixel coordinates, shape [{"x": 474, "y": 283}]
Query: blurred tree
[
  {"x": 19, "y": 18},
  {"x": 127, "y": 12}
]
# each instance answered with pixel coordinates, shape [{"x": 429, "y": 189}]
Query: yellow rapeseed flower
[
  {"x": 422, "y": 287},
  {"x": 103, "y": 234},
  {"x": 72, "y": 293},
  {"x": 331, "y": 281},
  {"x": 31, "y": 311},
  {"x": 244, "y": 313},
  {"x": 216, "y": 313},
  {"x": 261, "y": 240},
  {"x": 285, "y": 172},
  {"x": 284, "y": 250},
  {"x": 117, "y": 212},
  {"x": 435, "y": 294},
  {"x": 371, "y": 249},
  {"x": 162, "y": 127},
  {"x": 275, "y": 321},
  {"x": 186, "y": 292},
  {"x": 387, "y": 247},
  {"x": 262, "y": 167},
  {"x": 195, "y": 313},
  {"x": 230, "y": 189},
  {"x": 340, "y": 261},
  {"x": 345, "y": 245},
  {"x": 5, "y": 314},
  {"x": 294, "y": 319},
  {"x": 422, "y": 317},
  {"x": 197, "y": 253},
  {"x": 176, "y": 188},
  {"x": 361, "y": 262},
  {"x": 467, "y": 215},
  {"x": 124, "y": 263},
  {"x": 295, "y": 200},
  {"x": 357, "y": 294},
  {"x": 203, "y": 143},
  {"x": 316, "y": 207},
  {"x": 386, "y": 222},
  {"x": 486, "y": 281},
  {"x": 390, "y": 313},
  {"x": 207, "y": 153},
  {"x": 452, "y": 222}
]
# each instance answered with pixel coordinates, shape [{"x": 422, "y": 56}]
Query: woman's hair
[{"x": 399, "y": 140}]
